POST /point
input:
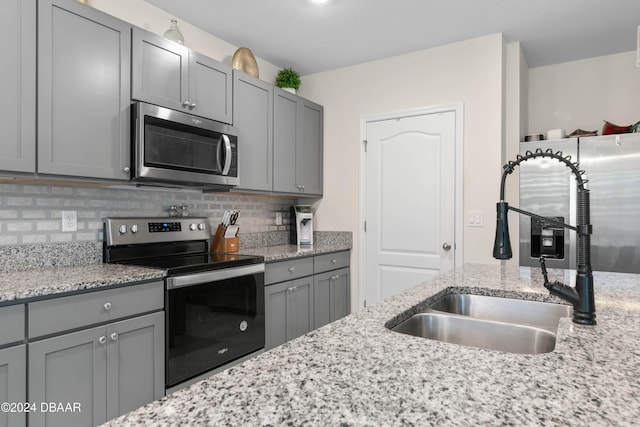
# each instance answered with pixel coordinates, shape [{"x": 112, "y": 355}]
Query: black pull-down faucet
[{"x": 584, "y": 308}]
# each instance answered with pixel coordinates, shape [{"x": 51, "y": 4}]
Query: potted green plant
[{"x": 288, "y": 80}]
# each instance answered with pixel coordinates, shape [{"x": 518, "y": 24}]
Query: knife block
[{"x": 224, "y": 244}]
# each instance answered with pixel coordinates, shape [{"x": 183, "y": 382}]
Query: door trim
[{"x": 458, "y": 109}]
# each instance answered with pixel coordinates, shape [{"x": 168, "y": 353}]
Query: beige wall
[
  {"x": 581, "y": 94},
  {"x": 144, "y": 15},
  {"x": 469, "y": 72}
]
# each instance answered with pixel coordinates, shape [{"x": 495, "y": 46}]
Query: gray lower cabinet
[
  {"x": 331, "y": 296},
  {"x": 104, "y": 371},
  {"x": 298, "y": 144},
  {"x": 101, "y": 351},
  {"x": 288, "y": 311},
  {"x": 168, "y": 74},
  {"x": 253, "y": 116},
  {"x": 18, "y": 86},
  {"x": 304, "y": 294},
  {"x": 83, "y": 91},
  {"x": 13, "y": 367},
  {"x": 13, "y": 387}
]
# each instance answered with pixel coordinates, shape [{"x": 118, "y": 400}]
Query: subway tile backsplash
[{"x": 32, "y": 213}]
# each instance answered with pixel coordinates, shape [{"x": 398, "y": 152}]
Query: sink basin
[
  {"x": 504, "y": 324},
  {"x": 532, "y": 313},
  {"x": 473, "y": 332}
]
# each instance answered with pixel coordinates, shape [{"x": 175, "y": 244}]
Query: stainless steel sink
[
  {"x": 532, "y": 313},
  {"x": 504, "y": 324},
  {"x": 485, "y": 334}
]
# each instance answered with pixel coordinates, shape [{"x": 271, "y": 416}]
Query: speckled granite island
[{"x": 357, "y": 372}]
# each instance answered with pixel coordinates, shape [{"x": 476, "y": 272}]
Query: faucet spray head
[{"x": 502, "y": 244}]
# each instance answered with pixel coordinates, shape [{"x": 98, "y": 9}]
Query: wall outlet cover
[{"x": 69, "y": 220}]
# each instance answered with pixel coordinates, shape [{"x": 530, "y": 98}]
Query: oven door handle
[{"x": 213, "y": 276}]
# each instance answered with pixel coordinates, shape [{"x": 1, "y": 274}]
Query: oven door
[
  {"x": 213, "y": 318},
  {"x": 178, "y": 148}
]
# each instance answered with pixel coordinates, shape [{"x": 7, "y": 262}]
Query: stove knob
[
  {"x": 122, "y": 229},
  {"x": 201, "y": 226},
  {"x": 193, "y": 227},
  {"x": 134, "y": 228}
]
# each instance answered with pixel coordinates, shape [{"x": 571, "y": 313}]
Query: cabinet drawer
[
  {"x": 287, "y": 270},
  {"x": 65, "y": 313},
  {"x": 331, "y": 261},
  {"x": 11, "y": 324}
]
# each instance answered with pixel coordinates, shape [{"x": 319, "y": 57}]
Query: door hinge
[
  {"x": 365, "y": 226},
  {"x": 365, "y": 303},
  {"x": 365, "y": 142}
]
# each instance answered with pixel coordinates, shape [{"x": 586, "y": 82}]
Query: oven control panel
[{"x": 132, "y": 230}]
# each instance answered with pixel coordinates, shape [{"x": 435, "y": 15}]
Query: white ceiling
[{"x": 311, "y": 38}]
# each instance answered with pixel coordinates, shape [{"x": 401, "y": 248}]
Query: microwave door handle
[{"x": 227, "y": 154}]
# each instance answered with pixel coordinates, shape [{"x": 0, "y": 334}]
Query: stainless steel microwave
[{"x": 178, "y": 149}]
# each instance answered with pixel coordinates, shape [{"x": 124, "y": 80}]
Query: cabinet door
[
  {"x": 253, "y": 116},
  {"x": 13, "y": 383},
  {"x": 275, "y": 314},
  {"x": 285, "y": 133},
  {"x": 210, "y": 88},
  {"x": 288, "y": 311},
  {"x": 18, "y": 86},
  {"x": 309, "y": 148},
  {"x": 135, "y": 363},
  {"x": 159, "y": 70},
  {"x": 71, "y": 369},
  {"x": 331, "y": 296},
  {"x": 300, "y": 308},
  {"x": 83, "y": 91}
]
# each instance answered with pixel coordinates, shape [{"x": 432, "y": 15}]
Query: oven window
[
  {"x": 176, "y": 146},
  {"x": 213, "y": 323}
]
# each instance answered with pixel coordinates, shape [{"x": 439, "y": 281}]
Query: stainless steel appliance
[
  {"x": 175, "y": 148},
  {"x": 214, "y": 303},
  {"x": 547, "y": 188}
]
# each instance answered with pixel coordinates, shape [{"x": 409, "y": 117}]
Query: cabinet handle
[
  {"x": 126, "y": 169},
  {"x": 185, "y": 104},
  {"x": 192, "y": 106},
  {"x": 333, "y": 261},
  {"x": 334, "y": 278},
  {"x": 102, "y": 340},
  {"x": 114, "y": 336},
  {"x": 107, "y": 306},
  {"x": 291, "y": 269}
]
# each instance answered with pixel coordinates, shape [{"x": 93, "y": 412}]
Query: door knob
[{"x": 446, "y": 246}]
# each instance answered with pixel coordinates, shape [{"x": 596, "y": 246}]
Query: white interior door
[{"x": 410, "y": 201}]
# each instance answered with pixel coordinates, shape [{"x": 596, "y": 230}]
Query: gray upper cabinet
[
  {"x": 83, "y": 91},
  {"x": 298, "y": 139},
  {"x": 170, "y": 75},
  {"x": 253, "y": 116},
  {"x": 18, "y": 86}
]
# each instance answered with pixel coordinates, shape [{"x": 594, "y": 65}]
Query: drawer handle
[
  {"x": 102, "y": 340},
  {"x": 333, "y": 261},
  {"x": 114, "y": 336},
  {"x": 291, "y": 269},
  {"x": 107, "y": 306}
]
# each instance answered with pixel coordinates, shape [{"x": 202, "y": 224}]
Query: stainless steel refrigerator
[{"x": 547, "y": 188}]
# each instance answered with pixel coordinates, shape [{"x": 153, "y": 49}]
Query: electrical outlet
[
  {"x": 278, "y": 218},
  {"x": 69, "y": 220}
]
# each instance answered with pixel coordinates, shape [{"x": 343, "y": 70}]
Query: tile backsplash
[{"x": 32, "y": 213}]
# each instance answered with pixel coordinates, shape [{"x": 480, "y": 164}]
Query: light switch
[{"x": 475, "y": 219}]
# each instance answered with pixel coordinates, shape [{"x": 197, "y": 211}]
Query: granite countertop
[
  {"x": 32, "y": 284},
  {"x": 284, "y": 252},
  {"x": 46, "y": 272},
  {"x": 357, "y": 372}
]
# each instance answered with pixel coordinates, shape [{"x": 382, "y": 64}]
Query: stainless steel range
[{"x": 214, "y": 302}]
